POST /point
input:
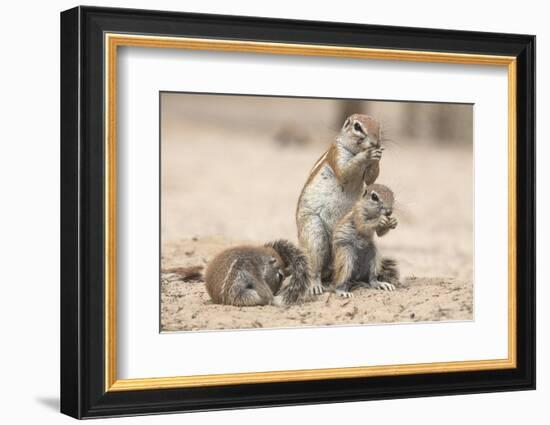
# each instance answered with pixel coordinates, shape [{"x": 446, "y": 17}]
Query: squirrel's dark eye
[
  {"x": 375, "y": 197},
  {"x": 357, "y": 127}
]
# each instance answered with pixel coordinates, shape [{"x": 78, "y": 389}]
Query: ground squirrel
[
  {"x": 356, "y": 258},
  {"x": 334, "y": 184},
  {"x": 253, "y": 275}
]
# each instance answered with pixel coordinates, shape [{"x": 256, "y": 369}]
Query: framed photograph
[{"x": 261, "y": 212}]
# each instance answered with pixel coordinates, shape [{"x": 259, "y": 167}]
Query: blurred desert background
[{"x": 232, "y": 168}]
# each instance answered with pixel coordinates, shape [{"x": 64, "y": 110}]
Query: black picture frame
[{"x": 83, "y": 392}]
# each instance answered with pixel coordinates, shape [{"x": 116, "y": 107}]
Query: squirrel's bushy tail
[
  {"x": 297, "y": 264},
  {"x": 389, "y": 271},
  {"x": 187, "y": 274}
]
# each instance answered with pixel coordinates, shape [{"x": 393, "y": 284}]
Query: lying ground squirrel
[
  {"x": 253, "y": 275},
  {"x": 356, "y": 258},
  {"x": 334, "y": 184}
]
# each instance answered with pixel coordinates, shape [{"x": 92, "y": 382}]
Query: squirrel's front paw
[
  {"x": 387, "y": 223},
  {"x": 383, "y": 222},
  {"x": 374, "y": 153}
]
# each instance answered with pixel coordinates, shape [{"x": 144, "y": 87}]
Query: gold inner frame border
[{"x": 113, "y": 40}]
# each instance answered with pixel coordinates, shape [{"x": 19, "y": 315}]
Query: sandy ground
[
  {"x": 186, "y": 305},
  {"x": 244, "y": 188}
]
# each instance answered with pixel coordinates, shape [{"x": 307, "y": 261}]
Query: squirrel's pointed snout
[{"x": 387, "y": 212}]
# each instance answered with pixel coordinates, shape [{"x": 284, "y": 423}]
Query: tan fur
[
  {"x": 245, "y": 276},
  {"x": 333, "y": 185}
]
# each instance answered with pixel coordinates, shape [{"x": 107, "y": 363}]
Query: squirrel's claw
[
  {"x": 316, "y": 289},
  {"x": 344, "y": 294},
  {"x": 385, "y": 286}
]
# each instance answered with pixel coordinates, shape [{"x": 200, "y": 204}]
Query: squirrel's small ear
[{"x": 346, "y": 123}]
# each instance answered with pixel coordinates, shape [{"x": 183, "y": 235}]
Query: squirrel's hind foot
[
  {"x": 384, "y": 286},
  {"x": 316, "y": 288},
  {"x": 343, "y": 293}
]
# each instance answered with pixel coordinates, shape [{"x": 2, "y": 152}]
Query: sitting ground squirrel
[
  {"x": 356, "y": 258},
  {"x": 253, "y": 275},
  {"x": 334, "y": 184}
]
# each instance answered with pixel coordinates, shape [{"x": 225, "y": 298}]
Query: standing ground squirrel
[
  {"x": 334, "y": 184},
  {"x": 356, "y": 258},
  {"x": 253, "y": 275}
]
